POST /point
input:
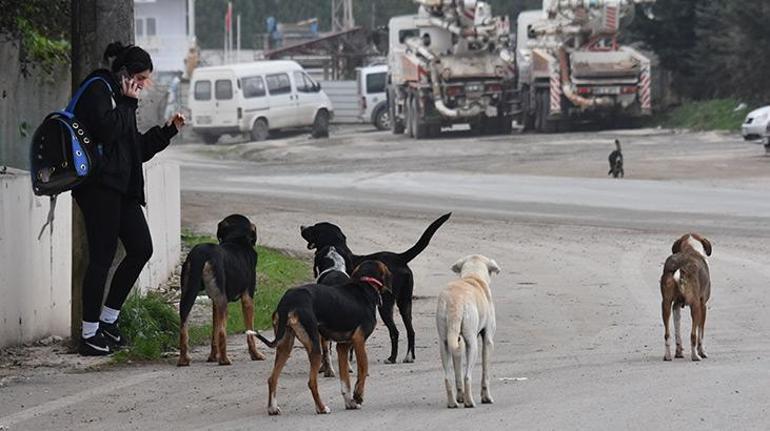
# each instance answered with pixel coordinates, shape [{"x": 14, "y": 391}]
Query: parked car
[
  {"x": 256, "y": 98},
  {"x": 756, "y": 123},
  {"x": 372, "y": 101}
]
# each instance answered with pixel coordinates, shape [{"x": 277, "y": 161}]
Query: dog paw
[
  {"x": 469, "y": 404},
  {"x": 667, "y": 357},
  {"x": 212, "y": 358},
  {"x": 460, "y": 398},
  {"x": 329, "y": 373},
  {"x": 487, "y": 400},
  {"x": 274, "y": 411},
  {"x": 324, "y": 411},
  {"x": 702, "y": 354},
  {"x": 225, "y": 361},
  {"x": 352, "y": 405},
  {"x": 695, "y": 358},
  {"x": 452, "y": 405},
  {"x": 679, "y": 355},
  {"x": 359, "y": 398},
  {"x": 257, "y": 356},
  {"x": 390, "y": 360},
  {"x": 183, "y": 361},
  {"x": 409, "y": 359}
]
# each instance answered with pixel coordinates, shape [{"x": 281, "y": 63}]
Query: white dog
[{"x": 465, "y": 311}]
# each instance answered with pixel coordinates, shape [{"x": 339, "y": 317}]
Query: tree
[{"x": 95, "y": 24}]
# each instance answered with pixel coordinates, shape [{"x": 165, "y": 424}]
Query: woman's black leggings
[{"x": 109, "y": 215}]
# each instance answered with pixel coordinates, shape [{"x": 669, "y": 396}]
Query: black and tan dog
[
  {"x": 326, "y": 234},
  {"x": 686, "y": 281},
  {"x": 343, "y": 313},
  {"x": 227, "y": 272},
  {"x": 616, "y": 162}
]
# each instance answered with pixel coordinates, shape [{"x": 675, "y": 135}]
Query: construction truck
[
  {"x": 571, "y": 67},
  {"x": 450, "y": 63}
]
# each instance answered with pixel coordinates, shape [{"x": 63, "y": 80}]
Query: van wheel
[
  {"x": 260, "y": 130},
  {"x": 382, "y": 118},
  {"x": 209, "y": 139},
  {"x": 321, "y": 124}
]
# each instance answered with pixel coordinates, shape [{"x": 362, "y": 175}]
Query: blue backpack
[{"x": 63, "y": 155}]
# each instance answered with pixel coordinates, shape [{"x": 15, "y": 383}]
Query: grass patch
[
  {"x": 152, "y": 324},
  {"x": 717, "y": 114}
]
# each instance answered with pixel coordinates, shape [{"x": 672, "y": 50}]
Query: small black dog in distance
[
  {"x": 227, "y": 272},
  {"x": 616, "y": 162}
]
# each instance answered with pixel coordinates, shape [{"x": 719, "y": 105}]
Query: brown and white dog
[
  {"x": 465, "y": 311},
  {"x": 686, "y": 281}
]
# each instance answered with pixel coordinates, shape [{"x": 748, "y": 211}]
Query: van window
[
  {"x": 223, "y": 89},
  {"x": 202, "y": 90},
  {"x": 253, "y": 86},
  {"x": 304, "y": 83},
  {"x": 375, "y": 83},
  {"x": 278, "y": 83}
]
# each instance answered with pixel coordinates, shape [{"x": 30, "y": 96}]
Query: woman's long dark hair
[{"x": 132, "y": 57}]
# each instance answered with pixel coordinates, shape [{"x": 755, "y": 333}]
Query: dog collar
[
  {"x": 324, "y": 272},
  {"x": 377, "y": 284}
]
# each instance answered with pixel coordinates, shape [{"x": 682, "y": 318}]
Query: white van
[
  {"x": 372, "y": 102},
  {"x": 256, "y": 98}
]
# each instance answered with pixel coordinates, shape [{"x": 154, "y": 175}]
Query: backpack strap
[
  {"x": 74, "y": 101},
  {"x": 49, "y": 219}
]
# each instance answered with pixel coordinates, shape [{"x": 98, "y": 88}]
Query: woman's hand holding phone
[{"x": 130, "y": 87}]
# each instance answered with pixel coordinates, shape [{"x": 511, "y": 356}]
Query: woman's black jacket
[{"x": 110, "y": 119}]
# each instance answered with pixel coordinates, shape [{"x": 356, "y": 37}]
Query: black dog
[
  {"x": 326, "y": 234},
  {"x": 616, "y": 162},
  {"x": 227, "y": 271},
  {"x": 342, "y": 313},
  {"x": 329, "y": 269}
]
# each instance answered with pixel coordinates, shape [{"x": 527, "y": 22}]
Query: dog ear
[
  {"x": 706, "y": 246},
  {"x": 457, "y": 268},
  {"x": 677, "y": 247},
  {"x": 493, "y": 267}
]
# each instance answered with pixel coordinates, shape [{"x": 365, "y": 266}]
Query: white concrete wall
[
  {"x": 168, "y": 47},
  {"x": 164, "y": 215},
  {"x": 35, "y": 275}
]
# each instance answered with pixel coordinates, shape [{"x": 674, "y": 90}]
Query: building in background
[{"x": 166, "y": 29}]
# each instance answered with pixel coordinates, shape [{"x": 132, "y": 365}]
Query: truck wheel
[
  {"x": 543, "y": 103},
  {"x": 420, "y": 128},
  {"x": 260, "y": 131},
  {"x": 408, "y": 117},
  {"x": 321, "y": 124},
  {"x": 396, "y": 124},
  {"x": 382, "y": 118}
]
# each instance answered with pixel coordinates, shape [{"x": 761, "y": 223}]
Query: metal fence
[{"x": 344, "y": 98}]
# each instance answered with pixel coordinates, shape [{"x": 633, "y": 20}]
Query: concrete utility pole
[{"x": 95, "y": 24}]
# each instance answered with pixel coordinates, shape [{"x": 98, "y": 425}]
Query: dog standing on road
[
  {"x": 616, "y": 162},
  {"x": 326, "y": 234},
  {"x": 329, "y": 269},
  {"x": 465, "y": 311},
  {"x": 686, "y": 281},
  {"x": 228, "y": 272},
  {"x": 345, "y": 314}
]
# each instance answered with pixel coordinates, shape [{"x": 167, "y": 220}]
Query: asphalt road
[{"x": 580, "y": 340}]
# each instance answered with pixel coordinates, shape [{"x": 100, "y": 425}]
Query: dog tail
[
  {"x": 191, "y": 282},
  {"x": 279, "y": 328},
  {"x": 424, "y": 240}
]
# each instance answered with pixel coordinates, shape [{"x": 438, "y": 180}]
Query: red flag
[{"x": 229, "y": 17}]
